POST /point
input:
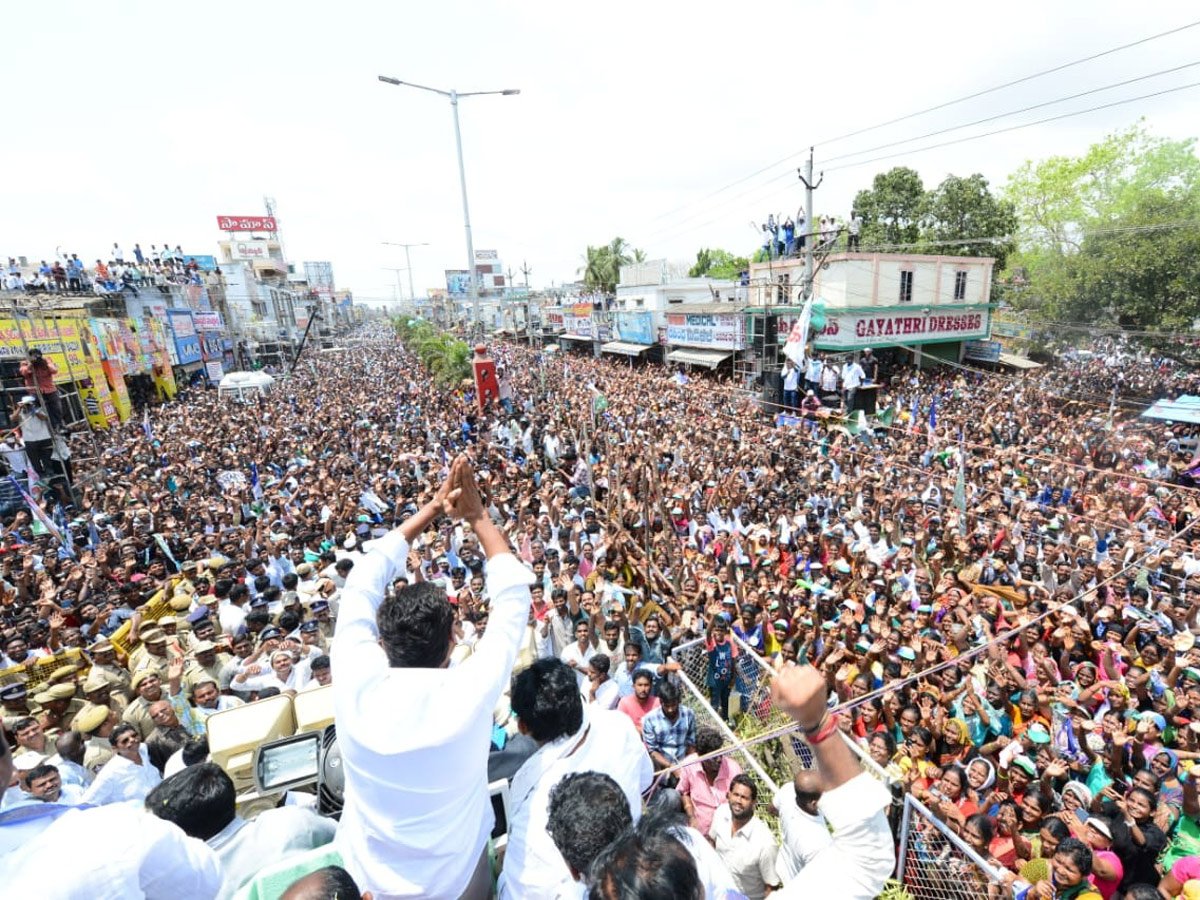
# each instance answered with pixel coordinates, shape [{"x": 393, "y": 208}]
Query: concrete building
[{"x": 917, "y": 304}]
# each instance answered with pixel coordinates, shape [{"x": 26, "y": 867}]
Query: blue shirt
[{"x": 671, "y": 739}]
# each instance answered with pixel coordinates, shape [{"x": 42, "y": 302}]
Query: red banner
[{"x": 246, "y": 223}]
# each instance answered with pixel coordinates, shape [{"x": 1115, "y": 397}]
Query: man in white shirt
[
  {"x": 803, "y": 831},
  {"x": 571, "y": 738},
  {"x": 854, "y": 866},
  {"x": 852, "y": 378},
  {"x": 201, "y": 800},
  {"x": 578, "y": 654},
  {"x": 128, "y": 775},
  {"x": 414, "y": 734},
  {"x": 601, "y": 690},
  {"x": 744, "y": 842},
  {"x": 791, "y": 385}
]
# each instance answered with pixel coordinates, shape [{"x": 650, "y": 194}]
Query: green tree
[
  {"x": 718, "y": 264},
  {"x": 965, "y": 210},
  {"x": 601, "y": 269},
  {"x": 892, "y": 208},
  {"x": 1078, "y": 255}
]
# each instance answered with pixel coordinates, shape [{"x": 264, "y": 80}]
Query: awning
[
  {"x": 625, "y": 348},
  {"x": 1184, "y": 408},
  {"x": 574, "y": 337},
  {"x": 1018, "y": 362},
  {"x": 710, "y": 359}
]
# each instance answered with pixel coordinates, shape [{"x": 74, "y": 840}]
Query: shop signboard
[
  {"x": 886, "y": 328},
  {"x": 720, "y": 332}
]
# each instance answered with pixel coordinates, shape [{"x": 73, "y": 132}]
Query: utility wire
[{"x": 944, "y": 105}]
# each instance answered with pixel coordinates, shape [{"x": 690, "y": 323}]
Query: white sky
[{"x": 134, "y": 121}]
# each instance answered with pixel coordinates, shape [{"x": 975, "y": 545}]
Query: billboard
[
  {"x": 636, "y": 327},
  {"x": 207, "y": 321},
  {"x": 722, "y": 332},
  {"x": 246, "y": 223},
  {"x": 187, "y": 344},
  {"x": 486, "y": 255},
  {"x": 16, "y": 334},
  {"x": 982, "y": 351},
  {"x": 249, "y": 250},
  {"x": 203, "y": 260},
  {"x": 458, "y": 282},
  {"x": 319, "y": 276}
]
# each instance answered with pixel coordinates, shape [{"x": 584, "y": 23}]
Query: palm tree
[{"x": 639, "y": 255}]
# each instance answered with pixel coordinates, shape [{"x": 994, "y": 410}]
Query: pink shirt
[
  {"x": 1108, "y": 888},
  {"x": 706, "y": 796},
  {"x": 632, "y": 708}
]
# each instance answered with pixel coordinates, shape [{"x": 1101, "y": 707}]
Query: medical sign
[
  {"x": 246, "y": 223},
  {"x": 722, "y": 332}
]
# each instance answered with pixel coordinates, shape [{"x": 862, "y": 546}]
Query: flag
[
  {"x": 886, "y": 416},
  {"x": 162, "y": 544},
  {"x": 93, "y": 534},
  {"x": 797, "y": 340},
  {"x": 599, "y": 401},
  {"x": 916, "y": 411},
  {"x": 146, "y": 425},
  {"x": 255, "y": 486},
  {"x": 40, "y": 517},
  {"x": 960, "y": 487},
  {"x": 933, "y": 416}
]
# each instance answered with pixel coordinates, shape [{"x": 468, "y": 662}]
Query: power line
[
  {"x": 944, "y": 105},
  {"x": 1015, "y": 112},
  {"x": 1068, "y": 115}
]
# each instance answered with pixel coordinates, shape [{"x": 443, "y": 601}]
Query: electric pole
[
  {"x": 806, "y": 177},
  {"x": 526, "y": 271}
]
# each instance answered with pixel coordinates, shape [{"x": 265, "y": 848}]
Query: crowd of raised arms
[{"x": 999, "y": 600}]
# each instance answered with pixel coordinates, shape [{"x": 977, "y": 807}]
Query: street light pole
[
  {"x": 453, "y": 96},
  {"x": 412, "y": 292}
]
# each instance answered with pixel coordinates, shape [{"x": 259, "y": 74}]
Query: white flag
[{"x": 798, "y": 337}]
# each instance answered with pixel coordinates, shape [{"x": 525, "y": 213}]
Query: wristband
[{"x": 828, "y": 727}]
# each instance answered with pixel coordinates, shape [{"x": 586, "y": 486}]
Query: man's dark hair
[
  {"x": 40, "y": 772},
  {"x": 329, "y": 883},
  {"x": 546, "y": 698},
  {"x": 290, "y": 580},
  {"x": 119, "y": 731},
  {"x": 270, "y": 594},
  {"x": 223, "y": 587},
  {"x": 267, "y": 693},
  {"x": 647, "y": 862},
  {"x": 1142, "y": 891},
  {"x": 587, "y": 812},
  {"x": 195, "y": 751},
  {"x": 319, "y": 662},
  {"x": 288, "y": 622},
  {"x": 708, "y": 740},
  {"x": 199, "y": 799},
  {"x": 416, "y": 625},
  {"x": 744, "y": 780},
  {"x": 1078, "y": 852},
  {"x": 262, "y": 582},
  {"x": 668, "y": 692},
  {"x": 257, "y": 617},
  {"x": 343, "y": 565},
  {"x": 237, "y": 592},
  {"x": 22, "y": 724},
  {"x": 601, "y": 663}
]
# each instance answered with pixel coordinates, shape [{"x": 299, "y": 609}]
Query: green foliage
[
  {"x": 1110, "y": 235},
  {"x": 892, "y": 208},
  {"x": 447, "y": 358},
  {"x": 601, "y": 269},
  {"x": 962, "y": 209},
  {"x": 717, "y": 263},
  {"x": 894, "y": 890}
]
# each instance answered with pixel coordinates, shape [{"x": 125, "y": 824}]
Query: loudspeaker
[
  {"x": 766, "y": 333},
  {"x": 772, "y": 392}
]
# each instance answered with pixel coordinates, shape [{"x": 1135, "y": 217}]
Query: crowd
[
  {"x": 121, "y": 272},
  {"x": 1000, "y": 601}
]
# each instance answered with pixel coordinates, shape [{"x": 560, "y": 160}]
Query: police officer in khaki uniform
[
  {"x": 148, "y": 684},
  {"x": 96, "y": 724},
  {"x": 150, "y": 654},
  {"x": 104, "y": 665},
  {"x": 205, "y": 665},
  {"x": 59, "y": 707},
  {"x": 99, "y": 692},
  {"x": 14, "y": 698},
  {"x": 320, "y": 611}
]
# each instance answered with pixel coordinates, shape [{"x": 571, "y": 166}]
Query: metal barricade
[
  {"x": 935, "y": 863},
  {"x": 696, "y": 700}
]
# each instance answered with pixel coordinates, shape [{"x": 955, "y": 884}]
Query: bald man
[{"x": 802, "y": 829}]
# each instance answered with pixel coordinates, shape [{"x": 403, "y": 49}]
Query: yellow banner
[{"x": 42, "y": 334}]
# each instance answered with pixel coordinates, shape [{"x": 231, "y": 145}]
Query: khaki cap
[
  {"x": 204, "y": 647},
  {"x": 90, "y": 719},
  {"x": 95, "y": 683},
  {"x": 61, "y": 691},
  {"x": 153, "y": 636},
  {"x": 63, "y": 672},
  {"x": 142, "y": 675},
  {"x": 179, "y": 602}
]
